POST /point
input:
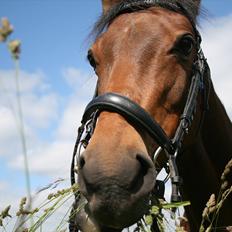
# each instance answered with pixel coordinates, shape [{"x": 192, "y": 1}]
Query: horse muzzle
[{"x": 117, "y": 198}]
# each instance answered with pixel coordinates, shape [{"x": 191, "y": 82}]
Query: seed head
[
  {"x": 210, "y": 206},
  {"x": 5, "y": 30},
  {"x": 5, "y": 212},
  {"x": 15, "y": 48}
]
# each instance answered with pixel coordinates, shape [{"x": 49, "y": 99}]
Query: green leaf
[
  {"x": 148, "y": 220},
  {"x": 155, "y": 210},
  {"x": 175, "y": 205}
]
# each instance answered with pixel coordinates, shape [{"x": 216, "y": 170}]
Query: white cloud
[
  {"x": 8, "y": 126},
  {"x": 28, "y": 81},
  {"x": 79, "y": 80},
  {"x": 40, "y": 111},
  {"x": 50, "y": 159},
  {"x": 10, "y": 137},
  {"x": 8, "y": 196},
  {"x": 83, "y": 85},
  {"x": 73, "y": 76},
  {"x": 70, "y": 120},
  {"x": 39, "y": 103},
  {"x": 54, "y": 158},
  {"x": 217, "y": 37}
]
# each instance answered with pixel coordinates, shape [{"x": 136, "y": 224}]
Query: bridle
[{"x": 138, "y": 117}]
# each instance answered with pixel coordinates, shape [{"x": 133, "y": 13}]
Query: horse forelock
[{"x": 188, "y": 8}]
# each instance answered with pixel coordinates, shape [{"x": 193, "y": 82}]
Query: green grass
[{"x": 41, "y": 214}]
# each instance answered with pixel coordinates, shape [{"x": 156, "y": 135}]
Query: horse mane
[{"x": 189, "y": 8}]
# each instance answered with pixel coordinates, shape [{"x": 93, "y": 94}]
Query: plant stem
[{"x": 22, "y": 133}]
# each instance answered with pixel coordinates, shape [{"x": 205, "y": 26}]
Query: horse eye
[
  {"x": 91, "y": 59},
  {"x": 185, "y": 45}
]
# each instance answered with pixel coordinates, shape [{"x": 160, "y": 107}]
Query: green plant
[
  {"x": 42, "y": 212},
  {"x": 213, "y": 206},
  {"x": 14, "y": 47},
  {"x": 158, "y": 212}
]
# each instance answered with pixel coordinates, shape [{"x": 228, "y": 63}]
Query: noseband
[{"x": 139, "y": 118}]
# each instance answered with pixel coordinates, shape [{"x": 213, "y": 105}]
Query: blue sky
[
  {"x": 53, "y": 33},
  {"x": 57, "y": 81}
]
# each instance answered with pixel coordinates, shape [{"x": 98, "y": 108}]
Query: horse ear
[{"x": 107, "y": 4}]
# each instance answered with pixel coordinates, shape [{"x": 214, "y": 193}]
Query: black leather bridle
[{"x": 138, "y": 117}]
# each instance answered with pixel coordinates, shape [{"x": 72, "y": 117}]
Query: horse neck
[
  {"x": 202, "y": 164},
  {"x": 216, "y": 133}
]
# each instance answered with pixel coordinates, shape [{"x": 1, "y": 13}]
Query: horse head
[{"x": 145, "y": 51}]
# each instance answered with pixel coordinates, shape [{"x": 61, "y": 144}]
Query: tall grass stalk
[
  {"x": 46, "y": 209},
  {"x": 21, "y": 129},
  {"x": 6, "y": 29}
]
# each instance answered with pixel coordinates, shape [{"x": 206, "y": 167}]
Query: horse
[{"x": 155, "y": 106}]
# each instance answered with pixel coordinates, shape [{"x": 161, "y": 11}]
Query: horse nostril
[
  {"x": 145, "y": 163},
  {"x": 81, "y": 162}
]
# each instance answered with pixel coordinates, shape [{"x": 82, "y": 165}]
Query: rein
[{"x": 139, "y": 118}]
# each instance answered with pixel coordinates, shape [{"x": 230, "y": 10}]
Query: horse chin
[
  {"x": 117, "y": 214},
  {"x": 99, "y": 215}
]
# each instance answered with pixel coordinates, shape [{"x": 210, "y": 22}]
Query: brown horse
[{"x": 145, "y": 51}]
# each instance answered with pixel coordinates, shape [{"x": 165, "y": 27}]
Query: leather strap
[{"x": 132, "y": 112}]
